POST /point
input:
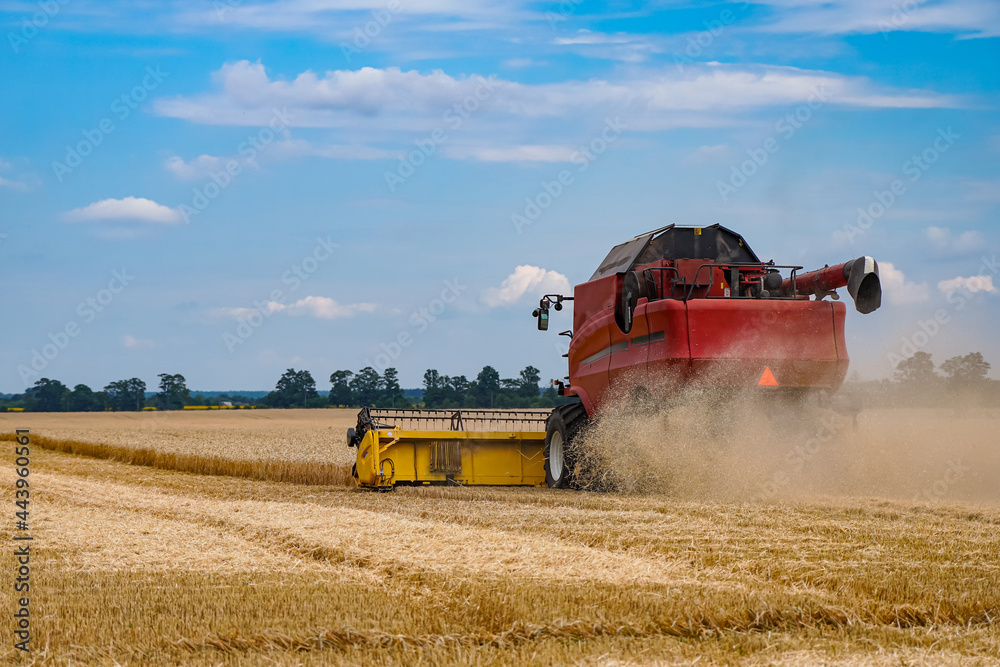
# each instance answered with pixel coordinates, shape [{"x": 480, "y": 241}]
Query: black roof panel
[{"x": 712, "y": 243}]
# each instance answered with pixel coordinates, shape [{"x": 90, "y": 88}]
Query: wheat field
[
  {"x": 880, "y": 547},
  {"x": 287, "y": 435}
]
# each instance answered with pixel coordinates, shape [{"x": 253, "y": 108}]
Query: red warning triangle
[{"x": 767, "y": 378}]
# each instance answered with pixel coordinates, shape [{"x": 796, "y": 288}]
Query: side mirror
[
  {"x": 544, "y": 305},
  {"x": 542, "y": 313},
  {"x": 543, "y": 317}
]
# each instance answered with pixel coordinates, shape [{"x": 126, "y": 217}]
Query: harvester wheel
[{"x": 563, "y": 425}]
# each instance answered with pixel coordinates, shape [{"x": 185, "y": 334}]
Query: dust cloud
[{"x": 703, "y": 445}]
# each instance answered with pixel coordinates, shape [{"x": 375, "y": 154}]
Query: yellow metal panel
[{"x": 503, "y": 458}]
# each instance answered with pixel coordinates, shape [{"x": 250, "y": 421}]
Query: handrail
[{"x": 694, "y": 282}]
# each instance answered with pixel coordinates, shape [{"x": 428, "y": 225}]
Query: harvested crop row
[
  {"x": 297, "y": 472},
  {"x": 306, "y": 436}
]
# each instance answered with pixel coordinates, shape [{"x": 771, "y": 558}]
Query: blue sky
[{"x": 226, "y": 189}]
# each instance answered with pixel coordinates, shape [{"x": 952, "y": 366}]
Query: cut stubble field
[{"x": 891, "y": 560}]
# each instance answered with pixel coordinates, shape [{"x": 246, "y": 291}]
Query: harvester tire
[{"x": 562, "y": 427}]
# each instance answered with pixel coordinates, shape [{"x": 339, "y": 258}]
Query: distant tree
[
  {"x": 13, "y": 401},
  {"x": 137, "y": 393},
  {"x": 127, "y": 395},
  {"x": 918, "y": 369},
  {"x": 366, "y": 386},
  {"x": 528, "y": 383},
  {"x": 47, "y": 396},
  {"x": 340, "y": 390},
  {"x": 487, "y": 390},
  {"x": 84, "y": 399},
  {"x": 116, "y": 394},
  {"x": 318, "y": 401},
  {"x": 508, "y": 394},
  {"x": 392, "y": 393},
  {"x": 968, "y": 370},
  {"x": 486, "y": 387},
  {"x": 173, "y": 391},
  {"x": 457, "y": 391},
  {"x": 434, "y": 389},
  {"x": 102, "y": 400},
  {"x": 294, "y": 388}
]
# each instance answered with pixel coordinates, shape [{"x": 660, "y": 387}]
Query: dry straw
[{"x": 298, "y": 472}]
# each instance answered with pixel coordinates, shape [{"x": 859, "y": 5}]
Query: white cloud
[
  {"x": 129, "y": 208},
  {"x": 524, "y": 279},
  {"x": 200, "y": 167},
  {"x": 377, "y": 99},
  {"x": 967, "y": 241},
  {"x": 339, "y": 17},
  {"x": 983, "y": 190},
  {"x": 536, "y": 153},
  {"x": 325, "y": 308},
  {"x": 971, "y": 285},
  {"x": 706, "y": 154},
  {"x": 938, "y": 235},
  {"x": 243, "y": 313},
  {"x": 320, "y": 307},
  {"x": 134, "y": 343},
  {"x": 618, "y": 46},
  {"x": 898, "y": 289},
  {"x": 298, "y": 147},
  {"x": 334, "y": 21},
  {"x": 584, "y": 36},
  {"x": 13, "y": 185},
  {"x": 517, "y": 63},
  {"x": 974, "y": 18},
  {"x": 204, "y": 166},
  {"x": 8, "y": 183},
  {"x": 316, "y": 101}
]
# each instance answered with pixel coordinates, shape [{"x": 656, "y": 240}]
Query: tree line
[
  {"x": 297, "y": 389},
  {"x": 918, "y": 381},
  {"x": 129, "y": 395},
  {"x": 368, "y": 388},
  {"x": 959, "y": 372}
]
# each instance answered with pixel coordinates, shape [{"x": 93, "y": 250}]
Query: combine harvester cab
[
  {"x": 673, "y": 308},
  {"x": 424, "y": 447}
]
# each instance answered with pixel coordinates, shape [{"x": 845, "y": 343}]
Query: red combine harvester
[
  {"x": 674, "y": 308},
  {"x": 686, "y": 307}
]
